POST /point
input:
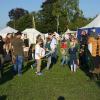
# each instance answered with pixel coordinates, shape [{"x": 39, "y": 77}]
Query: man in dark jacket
[{"x": 1, "y": 55}]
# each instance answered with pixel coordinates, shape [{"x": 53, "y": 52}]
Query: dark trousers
[
  {"x": 1, "y": 65},
  {"x": 1, "y": 71}
]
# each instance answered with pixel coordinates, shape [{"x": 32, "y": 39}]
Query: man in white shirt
[{"x": 53, "y": 46}]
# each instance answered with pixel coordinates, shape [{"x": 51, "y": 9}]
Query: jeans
[
  {"x": 18, "y": 64},
  {"x": 64, "y": 60},
  {"x": 48, "y": 62}
]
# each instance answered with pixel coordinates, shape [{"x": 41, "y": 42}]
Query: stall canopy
[
  {"x": 7, "y": 30},
  {"x": 94, "y": 25},
  {"x": 32, "y": 34},
  {"x": 66, "y": 34},
  {"x": 69, "y": 31}
]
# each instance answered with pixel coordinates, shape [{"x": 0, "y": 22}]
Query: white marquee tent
[
  {"x": 93, "y": 26},
  {"x": 95, "y": 23},
  {"x": 32, "y": 34},
  {"x": 69, "y": 31},
  {"x": 66, "y": 35},
  {"x": 7, "y": 30}
]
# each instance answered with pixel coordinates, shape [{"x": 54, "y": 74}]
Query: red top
[{"x": 63, "y": 45}]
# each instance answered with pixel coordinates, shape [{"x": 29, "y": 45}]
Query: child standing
[
  {"x": 73, "y": 55},
  {"x": 64, "y": 52}
]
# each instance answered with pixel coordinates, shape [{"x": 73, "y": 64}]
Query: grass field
[{"x": 56, "y": 84}]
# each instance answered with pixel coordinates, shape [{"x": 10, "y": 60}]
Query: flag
[
  {"x": 33, "y": 22},
  {"x": 58, "y": 20}
]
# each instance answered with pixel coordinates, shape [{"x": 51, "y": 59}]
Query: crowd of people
[
  {"x": 17, "y": 50},
  {"x": 73, "y": 51}
]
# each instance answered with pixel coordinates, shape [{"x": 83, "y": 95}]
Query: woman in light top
[{"x": 39, "y": 53}]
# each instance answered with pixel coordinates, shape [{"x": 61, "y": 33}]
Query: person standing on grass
[
  {"x": 17, "y": 46},
  {"x": 77, "y": 45},
  {"x": 38, "y": 55},
  {"x": 73, "y": 55},
  {"x": 64, "y": 52},
  {"x": 48, "y": 50},
  {"x": 1, "y": 55},
  {"x": 53, "y": 46}
]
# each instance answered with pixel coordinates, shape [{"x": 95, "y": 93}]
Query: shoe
[
  {"x": 36, "y": 72},
  {"x": 74, "y": 70},
  {"x": 39, "y": 73}
]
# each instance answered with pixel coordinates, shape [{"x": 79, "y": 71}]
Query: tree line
[{"x": 55, "y": 15}]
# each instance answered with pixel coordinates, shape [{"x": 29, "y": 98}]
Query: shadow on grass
[
  {"x": 44, "y": 63},
  {"x": 98, "y": 83},
  {"x": 53, "y": 61},
  {"x": 60, "y": 98},
  {"x": 28, "y": 66},
  {"x": 3, "y": 97},
  {"x": 87, "y": 65},
  {"x": 85, "y": 69},
  {"x": 31, "y": 62},
  {"x": 7, "y": 74}
]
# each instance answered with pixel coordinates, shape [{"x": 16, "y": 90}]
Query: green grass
[{"x": 56, "y": 82}]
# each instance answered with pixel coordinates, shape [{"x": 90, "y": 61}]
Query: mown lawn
[{"x": 53, "y": 84}]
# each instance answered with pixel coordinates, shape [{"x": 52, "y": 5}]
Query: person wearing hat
[{"x": 17, "y": 46}]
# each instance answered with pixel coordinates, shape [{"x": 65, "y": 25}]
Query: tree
[
  {"x": 65, "y": 9},
  {"x": 78, "y": 22},
  {"x": 38, "y": 20},
  {"x": 16, "y": 13},
  {"x": 22, "y": 23},
  {"x": 54, "y": 15}
]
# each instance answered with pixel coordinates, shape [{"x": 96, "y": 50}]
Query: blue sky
[{"x": 90, "y": 8}]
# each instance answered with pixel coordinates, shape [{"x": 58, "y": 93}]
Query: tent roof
[
  {"x": 31, "y": 30},
  {"x": 32, "y": 34},
  {"x": 69, "y": 31},
  {"x": 94, "y": 23},
  {"x": 7, "y": 30}
]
